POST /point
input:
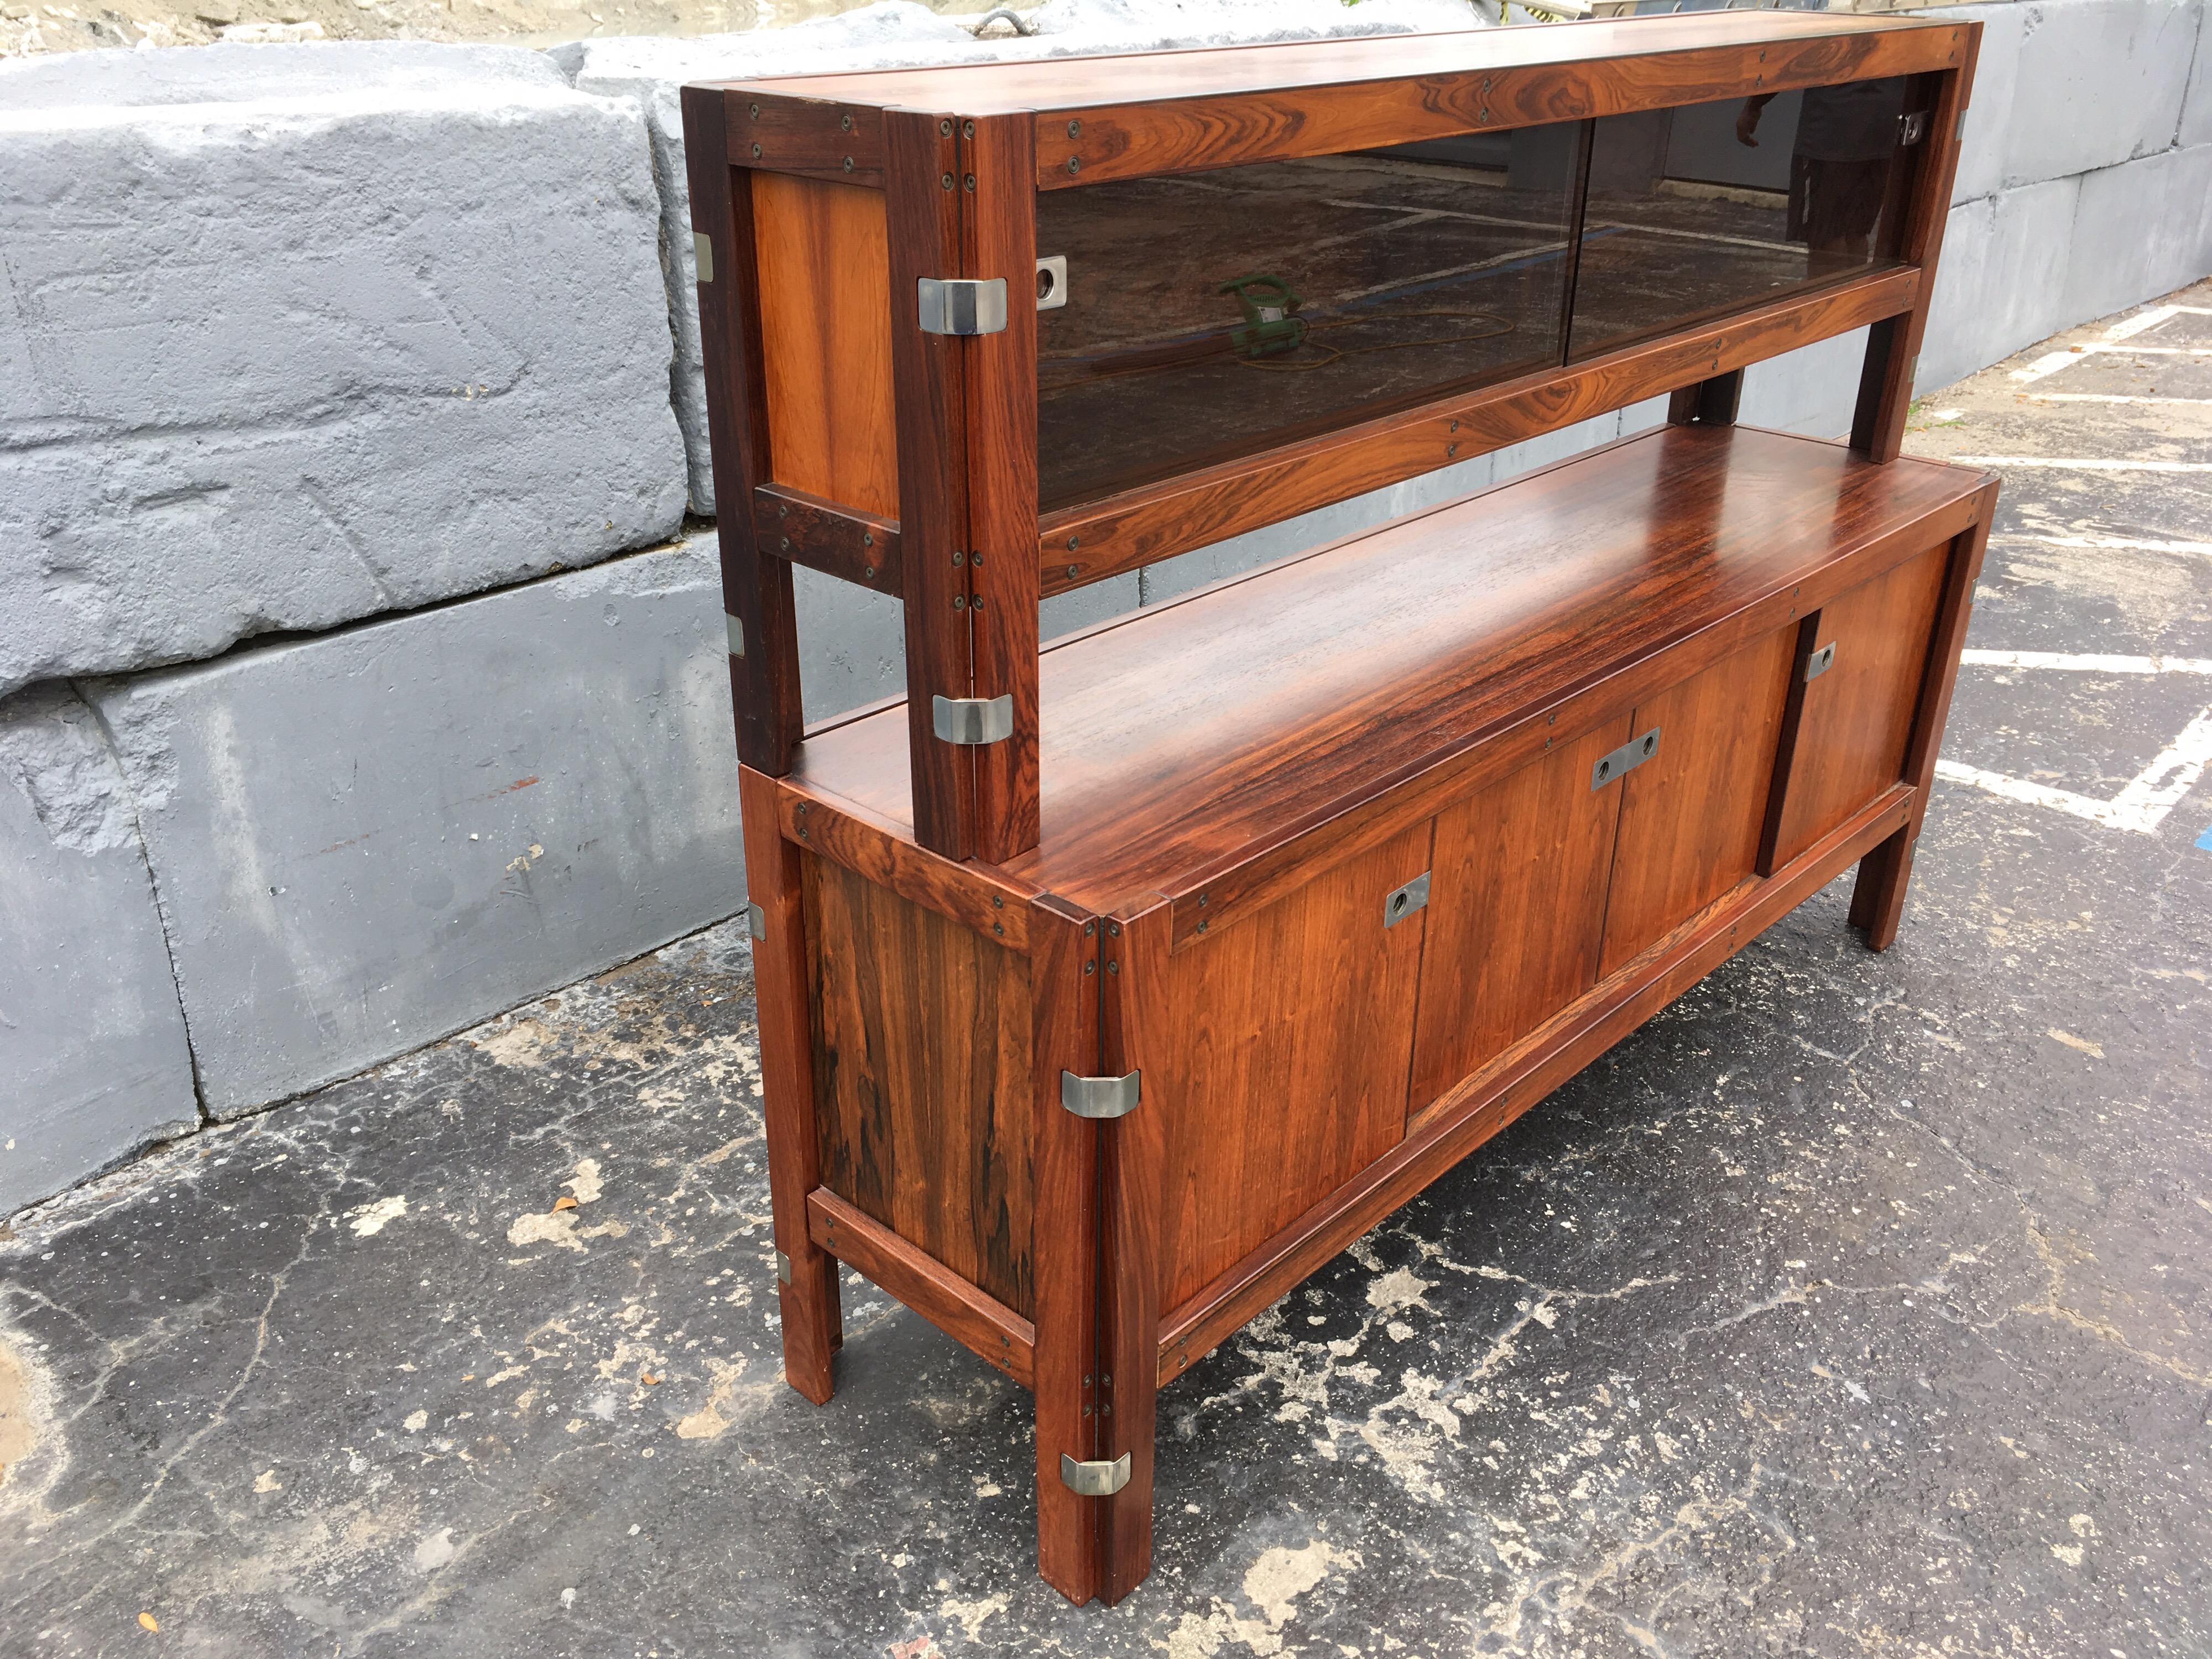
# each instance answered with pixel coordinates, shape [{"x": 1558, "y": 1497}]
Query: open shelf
[{"x": 1179, "y": 739}]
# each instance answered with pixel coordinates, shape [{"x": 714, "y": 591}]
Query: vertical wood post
[
  {"x": 812, "y": 1326},
  {"x": 1064, "y": 975},
  {"x": 1894, "y": 346},
  {"x": 1707, "y": 402},
  {"x": 763, "y": 627},
  {"x": 1878, "y": 894},
  {"x": 1134, "y": 1012},
  {"x": 923, "y": 197},
  {"x": 999, "y": 184}
]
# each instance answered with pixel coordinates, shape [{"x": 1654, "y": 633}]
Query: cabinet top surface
[
  {"x": 1065, "y": 84},
  {"x": 1183, "y": 738}
]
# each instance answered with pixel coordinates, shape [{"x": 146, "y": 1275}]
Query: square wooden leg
[
  {"x": 1878, "y": 895},
  {"x": 807, "y": 1291}
]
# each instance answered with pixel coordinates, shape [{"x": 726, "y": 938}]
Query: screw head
[
  {"x": 867, "y": 538},
  {"x": 755, "y": 110},
  {"x": 946, "y": 181},
  {"x": 1075, "y": 129},
  {"x": 959, "y": 559},
  {"x": 1201, "y": 927},
  {"x": 971, "y": 182},
  {"x": 967, "y": 128},
  {"x": 944, "y": 129},
  {"x": 869, "y": 573},
  {"x": 1070, "y": 573},
  {"x": 786, "y": 540},
  {"x": 845, "y": 121},
  {"x": 1072, "y": 540},
  {"x": 782, "y": 510},
  {"x": 848, "y": 164},
  {"x": 1075, "y": 164},
  {"x": 999, "y": 928},
  {"x": 756, "y": 150},
  {"x": 976, "y": 561},
  {"x": 959, "y": 601}
]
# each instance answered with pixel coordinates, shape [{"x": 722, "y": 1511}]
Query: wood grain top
[
  {"x": 1128, "y": 78},
  {"x": 1184, "y": 737}
]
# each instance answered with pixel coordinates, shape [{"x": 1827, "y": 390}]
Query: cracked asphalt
[{"x": 1856, "y": 1305}]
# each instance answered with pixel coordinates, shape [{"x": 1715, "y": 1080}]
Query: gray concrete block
[
  {"x": 2001, "y": 281},
  {"x": 366, "y": 841},
  {"x": 92, "y": 1057},
  {"x": 291, "y": 336},
  {"x": 651, "y": 69},
  {"x": 2195, "y": 126},
  {"x": 1988, "y": 118},
  {"x": 2139, "y": 231},
  {"x": 2097, "y": 82},
  {"x": 1811, "y": 390}
]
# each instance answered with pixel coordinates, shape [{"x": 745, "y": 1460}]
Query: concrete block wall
[{"x": 357, "y": 679}]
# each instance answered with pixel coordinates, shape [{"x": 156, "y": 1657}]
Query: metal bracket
[
  {"x": 782, "y": 1267},
  {"x": 1098, "y": 1096},
  {"x": 1628, "y": 757},
  {"x": 973, "y": 719},
  {"x": 963, "y": 305},
  {"x": 1052, "y": 282},
  {"x": 1094, "y": 1480},
  {"x": 756, "y": 921},
  {"x": 1819, "y": 662},
  {"x": 702, "y": 255},
  {"x": 1912, "y": 127},
  {"x": 1404, "y": 901},
  {"x": 735, "y": 627}
]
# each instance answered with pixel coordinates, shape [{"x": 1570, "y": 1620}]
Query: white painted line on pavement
[
  {"x": 2141, "y": 807},
  {"x": 2080, "y": 464},
  {"x": 2086, "y": 663},
  {"x": 2121, "y": 543}
]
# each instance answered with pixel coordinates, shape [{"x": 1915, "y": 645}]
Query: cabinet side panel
[
  {"x": 826, "y": 340},
  {"x": 1857, "y": 715},
  {"x": 1691, "y": 817},
  {"x": 921, "y": 1077},
  {"x": 1516, "y": 909},
  {"x": 1282, "y": 1068}
]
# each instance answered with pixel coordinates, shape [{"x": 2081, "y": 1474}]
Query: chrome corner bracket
[
  {"x": 1094, "y": 1480},
  {"x": 963, "y": 305},
  {"x": 756, "y": 921},
  {"x": 1099, "y": 1096},
  {"x": 1820, "y": 661},
  {"x": 973, "y": 719},
  {"x": 702, "y": 255}
]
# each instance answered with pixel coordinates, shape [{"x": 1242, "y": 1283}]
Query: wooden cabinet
[{"x": 1107, "y": 989}]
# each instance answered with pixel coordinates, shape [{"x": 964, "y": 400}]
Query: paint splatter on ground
[{"x": 1858, "y": 1304}]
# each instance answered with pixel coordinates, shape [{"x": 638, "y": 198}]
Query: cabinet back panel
[
  {"x": 921, "y": 1076},
  {"x": 823, "y": 282},
  {"x": 1691, "y": 816},
  {"x": 1516, "y": 909},
  {"x": 1278, "y": 1053},
  {"x": 1858, "y": 717}
]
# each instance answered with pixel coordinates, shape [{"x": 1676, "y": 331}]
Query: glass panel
[
  {"x": 1712, "y": 207},
  {"x": 1215, "y": 314}
]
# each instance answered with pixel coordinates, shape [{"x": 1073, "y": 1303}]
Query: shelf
[{"x": 1181, "y": 740}]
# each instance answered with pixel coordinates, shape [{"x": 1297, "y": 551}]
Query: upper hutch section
[{"x": 981, "y": 334}]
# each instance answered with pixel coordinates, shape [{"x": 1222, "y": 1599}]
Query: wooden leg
[
  {"x": 1878, "y": 895},
  {"x": 1878, "y": 899},
  {"x": 813, "y": 1328},
  {"x": 1134, "y": 1157},
  {"x": 1063, "y": 984},
  {"x": 1707, "y": 402}
]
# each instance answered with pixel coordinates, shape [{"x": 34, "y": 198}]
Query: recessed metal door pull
[
  {"x": 1628, "y": 757},
  {"x": 1404, "y": 901}
]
